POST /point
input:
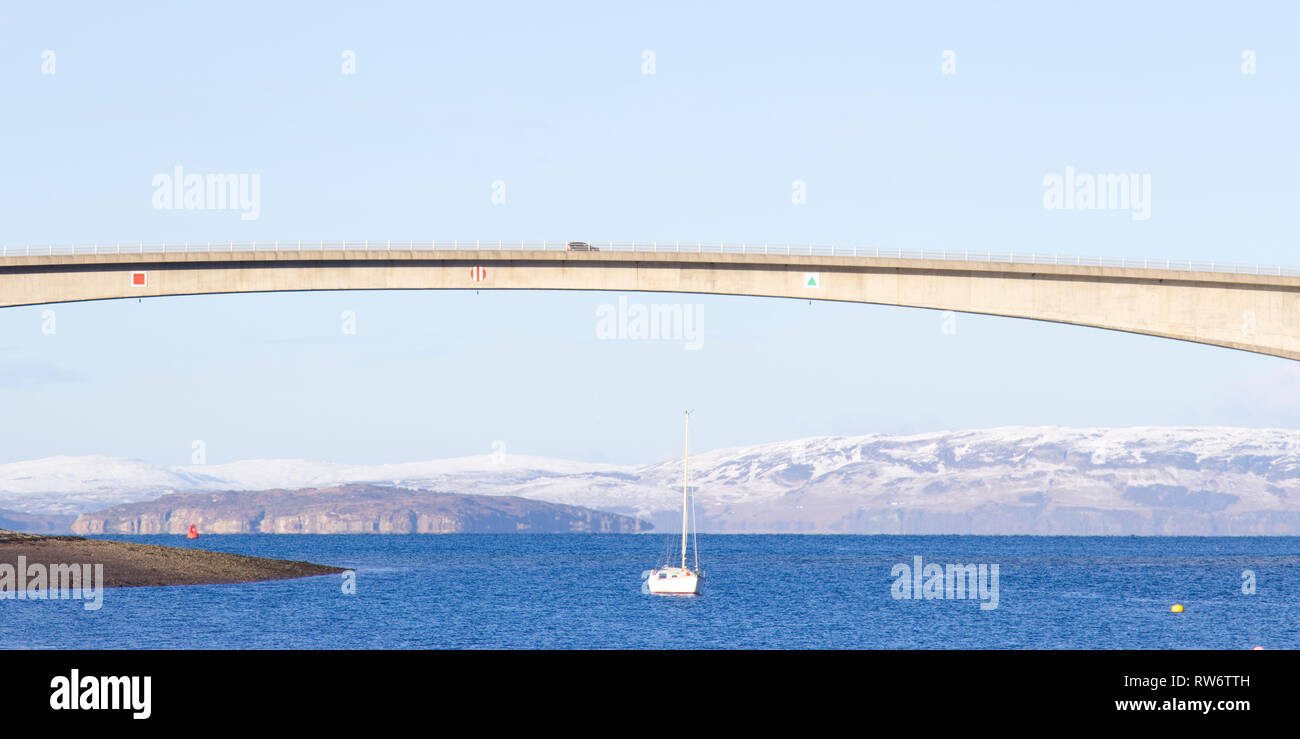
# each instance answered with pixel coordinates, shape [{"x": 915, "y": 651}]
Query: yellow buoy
[{"x": 1176, "y": 608}]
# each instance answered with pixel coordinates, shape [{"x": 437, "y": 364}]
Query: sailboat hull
[
  {"x": 669, "y": 580},
  {"x": 673, "y": 581}
]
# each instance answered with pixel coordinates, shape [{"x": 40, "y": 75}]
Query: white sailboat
[{"x": 669, "y": 580}]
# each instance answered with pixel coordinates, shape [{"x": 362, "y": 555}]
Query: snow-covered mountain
[
  {"x": 70, "y": 485},
  {"x": 1046, "y": 480}
]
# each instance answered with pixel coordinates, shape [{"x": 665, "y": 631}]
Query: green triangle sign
[{"x": 811, "y": 279}]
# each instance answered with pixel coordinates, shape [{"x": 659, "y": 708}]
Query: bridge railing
[{"x": 696, "y": 247}]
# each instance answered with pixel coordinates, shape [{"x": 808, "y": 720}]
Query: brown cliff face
[{"x": 350, "y": 509}]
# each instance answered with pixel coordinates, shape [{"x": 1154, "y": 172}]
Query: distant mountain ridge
[
  {"x": 36, "y": 523},
  {"x": 1013, "y": 480},
  {"x": 350, "y": 509},
  {"x": 73, "y": 485}
]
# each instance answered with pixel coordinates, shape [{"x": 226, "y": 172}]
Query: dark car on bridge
[{"x": 581, "y": 246}]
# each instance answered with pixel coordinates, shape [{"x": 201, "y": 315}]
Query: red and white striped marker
[{"x": 478, "y": 274}]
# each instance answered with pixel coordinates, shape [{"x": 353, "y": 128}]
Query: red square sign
[{"x": 138, "y": 279}]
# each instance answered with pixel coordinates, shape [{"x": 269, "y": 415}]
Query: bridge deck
[{"x": 1250, "y": 311}]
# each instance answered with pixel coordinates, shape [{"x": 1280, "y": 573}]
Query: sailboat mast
[{"x": 685, "y": 484}]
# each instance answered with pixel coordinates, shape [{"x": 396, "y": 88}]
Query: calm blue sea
[{"x": 779, "y": 591}]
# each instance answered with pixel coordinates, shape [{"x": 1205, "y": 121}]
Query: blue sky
[{"x": 552, "y": 101}]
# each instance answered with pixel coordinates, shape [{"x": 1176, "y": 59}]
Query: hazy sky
[{"x": 555, "y": 103}]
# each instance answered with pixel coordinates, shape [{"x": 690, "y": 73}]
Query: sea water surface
[{"x": 761, "y": 591}]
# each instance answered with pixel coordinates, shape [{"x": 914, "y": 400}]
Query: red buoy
[{"x": 194, "y": 533}]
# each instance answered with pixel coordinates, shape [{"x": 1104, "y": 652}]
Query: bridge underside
[{"x": 1255, "y": 313}]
